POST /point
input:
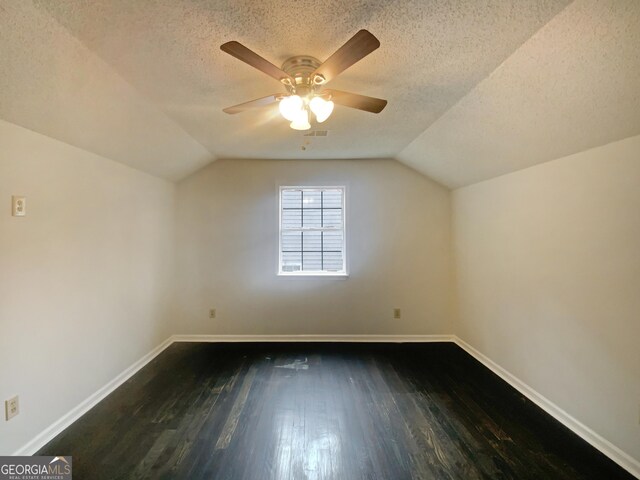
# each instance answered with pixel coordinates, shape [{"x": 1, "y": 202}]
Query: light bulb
[
  {"x": 290, "y": 107},
  {"x": 301, "y": 121},
  {"x": 321, "y": 108}
]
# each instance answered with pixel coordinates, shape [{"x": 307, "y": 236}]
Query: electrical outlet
[
  {"x": 396, "y": 313},
  {"x": 212, "y": 313},
  {"x": 12, "y": 407},
  {"x": 18, "y": 206}
]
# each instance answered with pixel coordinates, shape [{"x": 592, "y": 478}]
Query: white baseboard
[
  {"x": 315, "y": 338},
  {"x": 74, "y": 414},
  {"x": 605, "y": 446}
]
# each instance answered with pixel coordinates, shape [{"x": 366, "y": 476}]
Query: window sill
[{"x": 313, "y": 274}]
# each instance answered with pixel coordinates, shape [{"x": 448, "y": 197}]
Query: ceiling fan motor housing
[{"x": 300, "y": 68}]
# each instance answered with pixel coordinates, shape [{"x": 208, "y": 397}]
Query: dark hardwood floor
[{"x": 322, "y": 411}]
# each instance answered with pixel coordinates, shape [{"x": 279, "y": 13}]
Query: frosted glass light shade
[
  {"x": 321, "y": 108},
  {"x": 290, "y": 107},
  {"x": 301, "y": 121}
]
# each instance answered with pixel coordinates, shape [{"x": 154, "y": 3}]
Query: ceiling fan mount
[
  {"x": 304, "y": 77},
  {"x": 300, "y": 67},
  {"x": 301, "y": 79}
]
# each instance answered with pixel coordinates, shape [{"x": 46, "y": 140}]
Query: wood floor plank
[
  {"x": 234, "y": 416},
  {"x": 322, "y": 412}
]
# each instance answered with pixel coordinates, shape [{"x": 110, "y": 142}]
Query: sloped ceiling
[
  {"x": 475, "y": 89},
  {"x": 52, "y": 84},
  {"x": 574, "y": 85}
]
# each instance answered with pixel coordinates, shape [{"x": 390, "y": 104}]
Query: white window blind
[{"x": 312, "y": 231}]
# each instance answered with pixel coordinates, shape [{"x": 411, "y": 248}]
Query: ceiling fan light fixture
[
  {"x": 301, "y": 121},
  {"x": 321, "y": 108},
  {"x": 290, "y": 107}
]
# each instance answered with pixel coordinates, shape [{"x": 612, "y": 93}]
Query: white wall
[
  {"x": 548, "y": 282},
  {"x": 84, "y": 277},
  {"x": 398, "y": 233}
]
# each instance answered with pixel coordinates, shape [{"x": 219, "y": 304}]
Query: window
[{"x": 312, "y": 231}]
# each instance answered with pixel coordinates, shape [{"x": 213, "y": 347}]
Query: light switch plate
[{"x": 18, "y": 206}]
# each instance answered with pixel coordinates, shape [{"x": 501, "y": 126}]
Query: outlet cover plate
[
  {"x": 18, "y": 206},
  {"x": 12, "y": 407}
]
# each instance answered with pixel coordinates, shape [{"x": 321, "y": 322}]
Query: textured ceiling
[
  {"x": 432, "y": 54},
  {"x": 574, "y": 85},
  {"x": 475, "y": 88},
  {"x": 52, "y": 84}
]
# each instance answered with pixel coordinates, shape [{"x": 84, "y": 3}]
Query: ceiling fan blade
[
  {"x": 257, "y": 103},
  {"x": 353, "y": 100},
  {"x": 241, "y": 52},
  {"x": 356, "y": 48}
]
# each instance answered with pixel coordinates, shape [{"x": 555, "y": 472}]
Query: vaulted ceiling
[{"x": 475, "y": 89}]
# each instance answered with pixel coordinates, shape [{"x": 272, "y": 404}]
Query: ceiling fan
[{"x": 304, "y": 78}]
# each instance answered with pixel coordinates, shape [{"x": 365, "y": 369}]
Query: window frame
[{"x": 317, "y": 273}]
